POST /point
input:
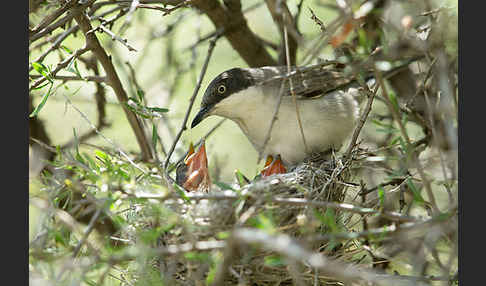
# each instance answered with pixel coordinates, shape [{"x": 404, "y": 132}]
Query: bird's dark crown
[{"x": 225, "y": 84}]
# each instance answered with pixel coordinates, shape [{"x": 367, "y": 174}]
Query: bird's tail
[{"x": 371, "y": 80}]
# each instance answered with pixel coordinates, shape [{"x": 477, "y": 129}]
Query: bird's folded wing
[{"x": 306, "y": 82}]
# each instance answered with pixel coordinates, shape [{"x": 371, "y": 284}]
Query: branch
[
  {"x": 216, "y": 126},
  {"x": 60, "y": 66},
  {"x": 362, "y": 120},
  {"x": 212, "y": 44},
  {"x": 282, "y": 18},
  {"x": 292, "y": 249},
  {"x": 51, "y": 18},
  {"x": 114, "y": 36},
  {"x": 236, "y": 30},
  {"x": 35, "y": 35},
  {"x": 410, "y": 147},
  {"x": 114, "y": 81},
  {"x": 93, "y": 78},
  {"x": 60, "y": 38}
]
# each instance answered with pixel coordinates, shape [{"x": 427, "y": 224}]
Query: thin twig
[
  {"x": 292, "y": 249},
  {"x": 294, "y": 97},
  {"x": 361, "y": 122},
  {"x": 211, "y": 131},
  {"x": 115, "y": 82},
  {"x": 317, "y": 21},
  {"x": 114, "y": 37},
  {"x": 51, "y": 18},
  {"x": 345, "y": 207},
  {"x": 274, "y": 118},
  {"x": 49, "y": 29},
  {"x": 57, "y": 42},
  {"x": 410, "y": 147},
  {"x": 183, "y": 127},
  {"x": 88, "y": 231},
  {"x": 118, "y": 149},
  {"x": 93, "y": 78},
  {"x": 60, "y": 66},
  {"x": 394, "y": 216}
]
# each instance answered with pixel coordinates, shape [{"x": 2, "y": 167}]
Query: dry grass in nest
[{"x": 316, "y": 179}]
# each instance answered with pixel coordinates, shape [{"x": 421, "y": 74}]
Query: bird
[
  {"x": 326, "y": 95},
  {"x": 192, "y": 173}
]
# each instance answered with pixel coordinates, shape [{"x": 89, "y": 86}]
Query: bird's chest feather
[{"x": 326, "y": 122}]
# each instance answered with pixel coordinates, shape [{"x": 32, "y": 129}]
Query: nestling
[{"x": 328, "y": 101}]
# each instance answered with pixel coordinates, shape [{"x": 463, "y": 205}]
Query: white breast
[{"x": 327, "y": 121}]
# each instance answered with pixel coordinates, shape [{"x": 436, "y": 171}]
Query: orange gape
[
  {"x": 338, "y": 39},
  {"x": 197, "y": 174},
  {"x": 273, "y": 167}
]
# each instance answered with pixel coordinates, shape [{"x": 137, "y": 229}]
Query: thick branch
[
  {"x": 278, "y": 9},
  {"x": 236, "y": 31},
  {"x": 114, "y": 81}
]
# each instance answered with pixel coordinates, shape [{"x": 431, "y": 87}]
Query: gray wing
[
  {"x": 317, "y": 80},
  {"x": 307, "y": 82}
]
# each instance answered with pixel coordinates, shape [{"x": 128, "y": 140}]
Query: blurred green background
[{"x": 228, "y": 149}]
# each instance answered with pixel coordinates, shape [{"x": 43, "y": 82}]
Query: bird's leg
[
  {"x": 273, "y": 166},
  {"x": 193, "y": 173}
]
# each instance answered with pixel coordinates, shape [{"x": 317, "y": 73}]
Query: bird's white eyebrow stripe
[{"x": 224, "y": 75}]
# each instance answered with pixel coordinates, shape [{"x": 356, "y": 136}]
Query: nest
[{"x": 318, "y": 178}]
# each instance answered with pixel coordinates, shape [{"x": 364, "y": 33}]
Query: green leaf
[
  {"x": 101, "y": 154},
  {"x": 393, "y": 100},
  {"x": 134, "y": 99},
  {"x": 134, "y": 110},
  {"x": 328, "y": 219},
  {"x": 43, "y": 70},
  {"x": 39, "y": 67},
  {"x": 265, "y": 223},
  {"x": 149, "y": 236},
  {"x": 76, "y": 142},
  {"x": 224, "y": 186},
  {"x": 41, "y": 86},
  {"x": 223, "y": 235},
  {"x": 242, "y": 180},
  {"x": 181, "y": 193},
  {"x": 381, "y": 196},
  {"x": 42, "y": 103},
  {"x": 211, "y": 274},
  {"x": 154, "y": 136},
  {"x": 141, "y": 95},
  {"x": 66, "y": 49},
  {"x": 158, "y": 109},
  {"x": 73, "y": 67},
  {"x": 90, "y": 282},
  {"x": 122, "y": 173},
  {"x": 274, "y": 261},
  {"x": 197, "y": 256},
  {"x": 417, "y": 197}
]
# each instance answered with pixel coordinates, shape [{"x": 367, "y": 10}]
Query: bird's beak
[
  {"x": 273, "y": 166},
  {"x": 193, "y": 174},
  {"x": 203, "y": 113}
]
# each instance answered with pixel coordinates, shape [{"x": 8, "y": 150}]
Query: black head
[{"x": 224, "y": 85}]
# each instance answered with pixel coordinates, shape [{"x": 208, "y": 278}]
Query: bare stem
[
  {"x": 114, "y": 81},
  {"x": 410, "y": 146},
  {"x": 183, "y": 127}
]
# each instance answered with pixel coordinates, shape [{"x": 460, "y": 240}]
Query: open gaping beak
[
  {"x": 193, "y": 173},
  {"x": 273, "y": 166},
  {"x": 203, "y": 113}
]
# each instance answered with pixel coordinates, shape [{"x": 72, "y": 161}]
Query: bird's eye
[{"x": 221, "y": 89}]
